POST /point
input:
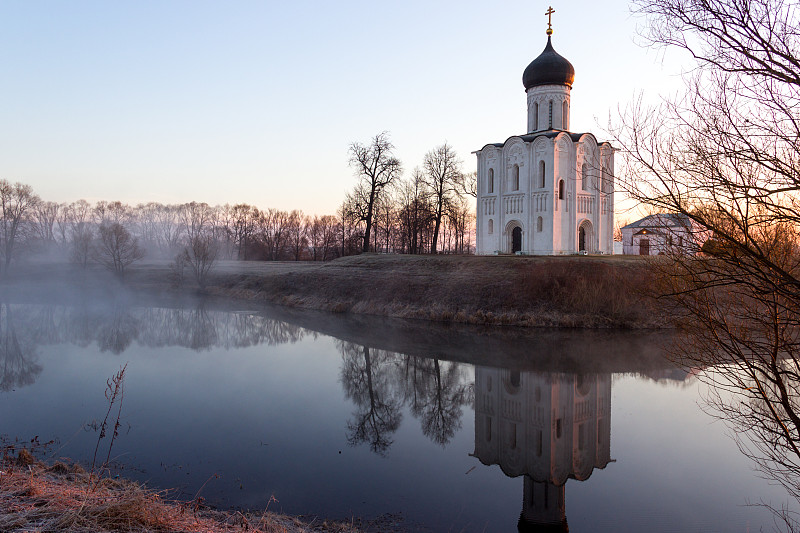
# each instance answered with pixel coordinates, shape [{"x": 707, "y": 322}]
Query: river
[{"x": 431, "y": 428}]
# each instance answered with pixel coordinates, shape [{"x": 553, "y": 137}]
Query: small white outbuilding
[{"x": 662, "y": 233}]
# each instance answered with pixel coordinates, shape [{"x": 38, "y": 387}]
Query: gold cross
[{"x": 549, "y": 14}]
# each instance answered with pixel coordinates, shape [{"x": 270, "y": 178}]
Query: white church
[{"x": 550, "y": 191}]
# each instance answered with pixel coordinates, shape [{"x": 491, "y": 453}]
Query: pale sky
[{"x": 257, "y": 102}]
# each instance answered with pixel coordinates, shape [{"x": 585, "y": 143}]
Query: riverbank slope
[
  {"x": 569, "y": 291},
  {"x": 65, "y": 498}
]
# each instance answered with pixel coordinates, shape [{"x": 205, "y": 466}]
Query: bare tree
[
  {"x": 376, "y": 167},
  {"x": 297, "y": 231},
  {"x": 442, "y": 173},
  {"x": 46, "y": 214},
  {"x": 116, "y": 248},
  {"x": 195, "y": 218},
  {"x": 81, "y": 244},
  {"x": 415, "y": 211},
  {"x": 726, "y": 154},
  {"x": 16, "y": 201},
  {"x": 467, "y": 184},
  {"x": 244, "y": 220},
  {"x": 200, "y": 254}
]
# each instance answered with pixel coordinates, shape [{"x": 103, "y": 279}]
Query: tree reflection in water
[
  {"x": 744, "y": 342},
  {"x": 118, "y": 332},
  {"x": 114, "y": 327},
  {"x": 436, "y": 391},
  {"x": 380, "y": 383},
  {"x": 17, "y": 353},
  {"x": 367, "y": 379}
]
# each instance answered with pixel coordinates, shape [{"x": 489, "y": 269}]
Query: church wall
[
  {"x": 488, "y": 203},
  {"x": 541, "y": 200},
  {"x": 518, "y": 200},
  {"x": 607, "y": 199},
  {"x": 562, "y": 227}
]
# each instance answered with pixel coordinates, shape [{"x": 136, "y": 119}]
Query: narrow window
[
  {"x": 585, "y": 177},
  {"x": 550, "y": 116},
  {"x": 564, "y": 115},
  {"x": 513, "y": 436},
  {"x": 536, "y": 116},
  {"x": 539, "y": 443},
  {"x": 560, "y": 189},
  {"x": 541, "y": 174},
  {"x": 491, "y": 226},
  {"x": 516, "y": 177},
  {"x": 491, "y": 181},
  {"x": 488, "y": 429},
  {"x": 558, "y": 428},
  {"x": 539, "y": 223}
]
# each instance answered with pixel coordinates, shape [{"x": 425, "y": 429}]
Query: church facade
[{"x": 549, "y": 191}]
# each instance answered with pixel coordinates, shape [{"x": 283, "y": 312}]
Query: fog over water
[{"x": 442, "y": 427}]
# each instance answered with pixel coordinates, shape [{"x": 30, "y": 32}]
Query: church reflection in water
[{"x": 546, "y": 427}]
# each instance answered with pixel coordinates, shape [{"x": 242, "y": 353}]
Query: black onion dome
[{"x": 549, "y": 68}]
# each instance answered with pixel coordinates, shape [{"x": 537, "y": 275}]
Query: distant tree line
[{"x": 429, "y": 212}]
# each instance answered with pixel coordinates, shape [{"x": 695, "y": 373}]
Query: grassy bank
[
  {"x": 595, "y": 292},
  {"x": 64, "y": 498},
  {"x": 569, "y": 291}
]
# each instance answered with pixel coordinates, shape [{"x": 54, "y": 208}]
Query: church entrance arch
[
  {"x": 514, "y": 237},
  {"x": 585, "y": 237}
]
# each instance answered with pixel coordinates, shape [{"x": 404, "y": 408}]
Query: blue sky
[{"x": 257, "y": 102}]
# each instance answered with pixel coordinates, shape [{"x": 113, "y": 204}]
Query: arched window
[
  {"x": 585, "y": 177},
  {"x": 539, "y": 223},
  {"x": 490, "y": 188},
  {"x": 491, "y": 226},
  {"x": 550, "y": 116},
  {"x": 515, "y": 178},
  {"x": 536, "y": 116},
  {"x": 564, "y": 115},
  {"x": 606, "y": 182},
  {"x": 560, "y": 189},
  {"x": 541, "y": 174}
]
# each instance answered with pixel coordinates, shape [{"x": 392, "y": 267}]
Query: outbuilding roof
[{"x": 661, "y": 220}]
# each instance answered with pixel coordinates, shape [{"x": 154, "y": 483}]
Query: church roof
[
  {"x": 550, "y": 68},
  {"x": 550, "y": 134}
]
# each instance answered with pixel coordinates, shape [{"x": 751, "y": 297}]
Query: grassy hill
[
  {"x": 568, "y": 291},
  {"x": 575, "y": 291}
]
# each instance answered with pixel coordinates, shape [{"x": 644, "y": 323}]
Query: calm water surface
[{"x": 444, "y": 429}]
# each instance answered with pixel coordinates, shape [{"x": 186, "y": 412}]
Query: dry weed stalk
[{"x": 114, "y": 394}]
